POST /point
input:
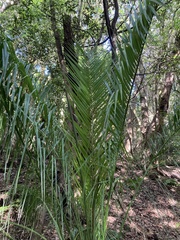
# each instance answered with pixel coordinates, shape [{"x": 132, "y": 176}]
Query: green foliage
[
  {"x": 84, "y": 155},
  {"x": 133, "y": 184}
]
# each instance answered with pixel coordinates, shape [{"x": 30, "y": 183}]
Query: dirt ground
[{"x": 154, "y": 213}]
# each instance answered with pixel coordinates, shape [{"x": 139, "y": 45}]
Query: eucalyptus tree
[{"x": 69, "y": 165}]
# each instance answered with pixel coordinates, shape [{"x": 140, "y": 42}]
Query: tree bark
[
  {"x": 111, "y": 28},
  {"x": 69, "y": 50},
  {"x": 157, "y": 122},
  {"x": 56, "y": 35},
  {"x": 144, "y": 104},
  {"x": 131, "y": 126},
  {"x": 164, "y": 100}
]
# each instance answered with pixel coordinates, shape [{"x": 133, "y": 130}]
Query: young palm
[{"x": 84, "y": 156}]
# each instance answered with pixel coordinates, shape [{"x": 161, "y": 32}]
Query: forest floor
[{"x": 154, "y": 211}]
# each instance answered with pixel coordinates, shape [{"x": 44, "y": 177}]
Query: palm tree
[{"x": 70, "y": 173}]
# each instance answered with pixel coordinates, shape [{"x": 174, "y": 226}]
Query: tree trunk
[
  {"x": 164, "y": 100},
  {"x": 157, "y": 122},
  {"x": 144, "y": 112},
  {"x": 144, "y": 104},
  {"x": 131, "y": 126}
]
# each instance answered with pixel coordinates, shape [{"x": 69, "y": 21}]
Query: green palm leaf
[{"x": 100, "y": 100}]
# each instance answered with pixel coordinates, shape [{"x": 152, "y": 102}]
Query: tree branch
[
  {"x": 108, "y": 25},
  {"x": 116, "y": 15},
  {"x": 111, "y": 28},
  {"x": 7, "y": 4}
]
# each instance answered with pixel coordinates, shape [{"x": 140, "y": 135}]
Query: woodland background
[{"x": 87, "y": 89}]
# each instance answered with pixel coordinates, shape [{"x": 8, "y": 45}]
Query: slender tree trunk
[
  {"x": 111, "y": 27},
  {"x": 144, "y": 112},
  {"x": 157, "y": 122},
  {"x": 164, "y": 100},
  {"x": 131, "y": 126},
  {"x": 69, "y": 50},
  {"x": 144, "y": 104},
  {"x": 57, "y": 36}
]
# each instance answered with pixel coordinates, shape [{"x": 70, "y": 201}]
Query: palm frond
[
  {"x": 100, "y": 98},
  {"x": 121, "y": 80}
]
